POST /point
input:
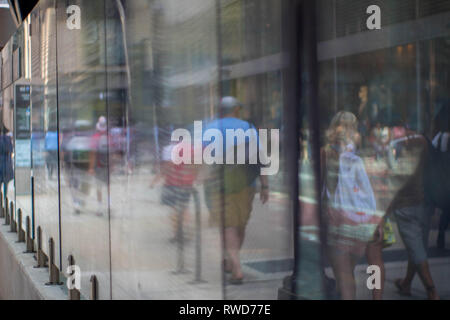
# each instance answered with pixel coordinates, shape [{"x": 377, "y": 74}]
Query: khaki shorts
[{"x": 237, "y": 208}]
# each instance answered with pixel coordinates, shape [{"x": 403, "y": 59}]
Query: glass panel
[
  {"x": 264, "y": 255},
  {"x": 84, "y": 145},
  {"x": 23, "y": 150},
  {"x": 380, "y": 93},
  {"x": 37, "y": 154},
  {"x": 161, "y": 76},
  {"x": 23, "y": 126},
  {"x": 44, "y": 126},
  {"x": 7, "y": 143},
  {"x": 8, "y": 122}
]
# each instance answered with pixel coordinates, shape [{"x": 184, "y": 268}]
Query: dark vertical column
[
  {"x": 291, "y": 23},
  {"x": 310, "y": 80},
  {"x": 300, "y": 79}
]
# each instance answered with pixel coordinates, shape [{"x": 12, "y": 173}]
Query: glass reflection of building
[{"x": 149, "y": 67}]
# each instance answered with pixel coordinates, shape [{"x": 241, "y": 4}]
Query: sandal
[{"x": 399, "y": 284}]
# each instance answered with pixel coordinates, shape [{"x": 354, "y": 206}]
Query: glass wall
[
  {"x": 8, "y": 122},
  {"x": 93, "y": 118},
  {"x": 22, "y": 109},
  {"x": 83, "y": 148},
  {"x": 382, "y": 94},
  {"x": 44, "y": 127}
]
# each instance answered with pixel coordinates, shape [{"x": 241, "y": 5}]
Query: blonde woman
[{"x": 349, "y": 201}]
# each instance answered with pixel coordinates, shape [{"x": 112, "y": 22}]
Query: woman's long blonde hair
[{"x": 343, "y": 129}]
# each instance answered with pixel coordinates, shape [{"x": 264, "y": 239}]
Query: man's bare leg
[{"x": 233, "y": 243}]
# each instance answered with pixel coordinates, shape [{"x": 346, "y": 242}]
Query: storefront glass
[{"x": 94, "y": 113}]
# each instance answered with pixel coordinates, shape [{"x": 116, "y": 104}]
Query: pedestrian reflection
[
  {"x": 230, "y": 189},
  {"x": 98, "y": 161},
  {"x": 349, "y": 201},
  {"x": 441, "y": 142},
  {"x": 51, "y": 151},
  {"x": 178, "y": 187},
  {"x": 413, "y": 217},
  {"x": 6, "y": 167},
  {"x": 75, "y": 151}
]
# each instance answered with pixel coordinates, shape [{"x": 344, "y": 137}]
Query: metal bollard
[
  {"x": 94, "y": 288},
  {"x": 198, "y": 240},
  {"x": 6, "y": 212},
  {"x": 52, "y": 268},
  {"x": 29, "y": 239},
  {"x": 32, "y": 235},
  {"x": 180, "y": 245},
  {"x": 20, "y": 232},
  {"x": 12, "y": 225},
  {"x": 40, "y": 255},
  {"x": 74, "y": 294}
]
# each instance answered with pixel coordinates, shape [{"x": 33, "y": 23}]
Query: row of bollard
[
  {"x": 49, "y": 262},
  {"x": 7, "y": 213}
]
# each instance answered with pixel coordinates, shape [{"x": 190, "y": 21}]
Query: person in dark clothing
[
  {"x": 6, "y": 168},
  {"x": 441, "y": 142},
  {"x": 413, "y": 217}
]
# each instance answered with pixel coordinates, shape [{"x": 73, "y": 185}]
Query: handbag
[
  {"x": 352, "y": 216},
  {"x": 388, "y": 234}
]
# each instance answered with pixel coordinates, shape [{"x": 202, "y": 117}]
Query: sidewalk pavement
[{"x": 143, "y": 259}]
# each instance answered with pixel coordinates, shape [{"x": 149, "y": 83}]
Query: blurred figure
[
  {"x": 118, "y": 149},
  {"x": 381, "y": 138},
  {"x": 397, "y": 140},
  {"x": 367, "y": 112},
  {"x": 75, "y": 152},
  {"x": 98, "y": 160},
  {"x": 230, "y": 190},
  {"x": 349, "y": 202},
  {"x": 6, "y": 167},
  {"x": 441, "y": 142},
  {"x": 51, "y": 152},
  {"x": 178, "y": 186},
  {"x": 413, "y": 217}
]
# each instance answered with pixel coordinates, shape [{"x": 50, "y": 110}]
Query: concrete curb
[{"x": 19, "y": 280}]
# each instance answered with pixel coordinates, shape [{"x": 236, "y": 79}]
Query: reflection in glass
[{"x": 83, "y": 145}]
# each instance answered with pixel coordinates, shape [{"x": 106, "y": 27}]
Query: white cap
[
  {"x": 229, "y": 103},
  {"x": 101, "y": 124}
]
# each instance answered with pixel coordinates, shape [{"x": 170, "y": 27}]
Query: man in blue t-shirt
[{"x": 230, "y": 188}]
